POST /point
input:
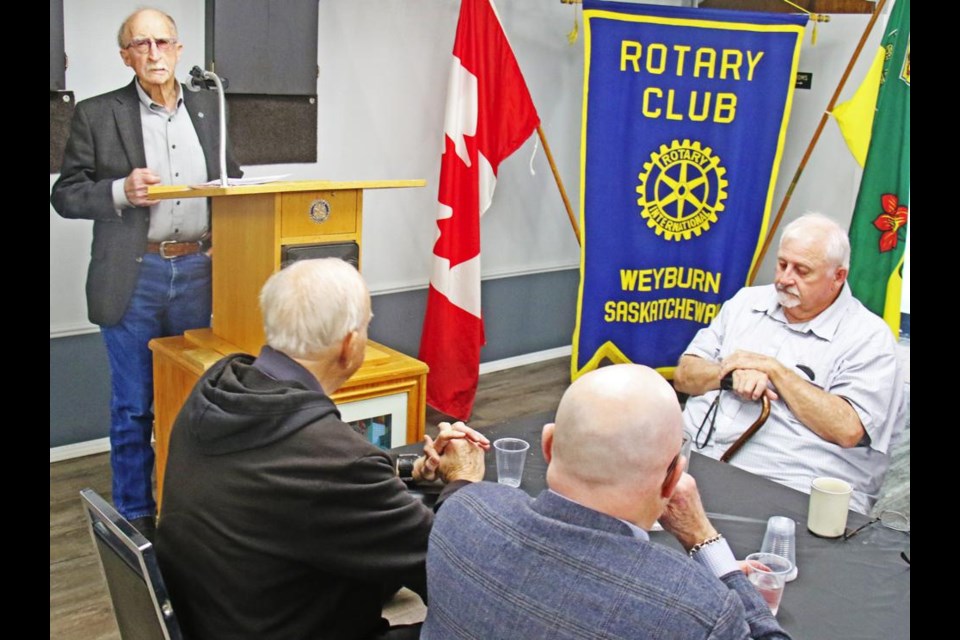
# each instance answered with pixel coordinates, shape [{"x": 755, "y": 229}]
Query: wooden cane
[{"x": 742, "y": 440}]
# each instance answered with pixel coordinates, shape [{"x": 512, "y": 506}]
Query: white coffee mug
[{"x": 829, "y": 504}]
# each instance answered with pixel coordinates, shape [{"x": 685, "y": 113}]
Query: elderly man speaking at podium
[
  {"x": 826, "y": 364},
  {"x": 149, "y": 273}
]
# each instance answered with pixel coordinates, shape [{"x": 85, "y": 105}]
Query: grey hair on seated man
[
  {"x": 835, "y": 243},
  {"x": 313, "y": 305}
]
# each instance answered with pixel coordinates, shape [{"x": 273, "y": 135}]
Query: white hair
[
  {"x": 122, "y": 33},
  {"x": 312, "y": 305},
  {"x": 836, "y": 244}
]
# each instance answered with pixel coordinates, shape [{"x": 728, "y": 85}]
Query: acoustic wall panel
[
  {"x": 61, "y": 112},
  {"x": 272, "y": 129}
]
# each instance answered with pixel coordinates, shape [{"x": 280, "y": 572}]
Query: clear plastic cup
[
  {"x": 511, "y": 455},
  {"x": 767, "y": 572},
  {"x": 781, "y": 539}
]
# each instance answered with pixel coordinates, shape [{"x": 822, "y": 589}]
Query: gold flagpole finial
[{"x": 816, "y": 18}]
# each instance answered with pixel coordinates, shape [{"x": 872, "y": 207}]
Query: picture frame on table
[{"x": 381, "y": 420}]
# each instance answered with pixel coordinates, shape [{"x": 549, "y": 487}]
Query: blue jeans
[{"x": 171, "y": 296}]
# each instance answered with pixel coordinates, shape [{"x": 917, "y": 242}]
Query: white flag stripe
[
  {"x": 460, "y": 285},
  {"x": 443, "y": 212},
  {"x": 460, "y": 118},
  {"x": 488, "y": 182}
]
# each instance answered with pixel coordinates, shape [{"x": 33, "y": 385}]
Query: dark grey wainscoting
[
  {"x": 79, "y": 389},
  {"x": 523, "y": 314}
]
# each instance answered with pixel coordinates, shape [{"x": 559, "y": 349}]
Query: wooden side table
[{"x": 179, "y": 361}]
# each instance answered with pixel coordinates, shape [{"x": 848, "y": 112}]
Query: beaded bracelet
[{"x": 700, "y": 545}]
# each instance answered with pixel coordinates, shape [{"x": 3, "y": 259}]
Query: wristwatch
[{"x": 405, "y": 462}]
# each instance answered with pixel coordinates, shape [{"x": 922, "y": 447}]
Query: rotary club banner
[{"x": 685, "y": 114}]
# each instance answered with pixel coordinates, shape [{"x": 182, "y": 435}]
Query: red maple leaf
[
  {"x": 459, "y": 238},
  {"x": 889, "y": 222}
]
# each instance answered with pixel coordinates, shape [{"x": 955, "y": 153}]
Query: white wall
[
  {"x": 382, "y": 86},
  {"x": 831, "y": 178}
]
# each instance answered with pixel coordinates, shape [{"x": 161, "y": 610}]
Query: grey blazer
[
  {"x": 106, "y": 143},
  {"x": 503, "y": 565}
]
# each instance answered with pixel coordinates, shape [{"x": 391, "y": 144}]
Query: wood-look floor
[{"x": 79, "y": 604}]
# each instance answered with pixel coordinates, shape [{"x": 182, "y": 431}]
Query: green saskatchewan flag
[{"x": 878, "y": 230}]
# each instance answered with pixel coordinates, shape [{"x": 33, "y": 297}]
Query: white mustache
[{"x": 792, "y": 290}]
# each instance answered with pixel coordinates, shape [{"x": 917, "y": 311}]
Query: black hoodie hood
[{"x": 236, "y": 407}]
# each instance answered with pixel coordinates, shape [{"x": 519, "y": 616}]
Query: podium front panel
[{"x": 319, "y": 213}]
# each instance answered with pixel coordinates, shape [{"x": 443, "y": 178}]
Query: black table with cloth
[{"x": 845, "y": 589}]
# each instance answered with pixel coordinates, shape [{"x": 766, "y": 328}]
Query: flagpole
[
  {"x": 556, "y": 176},
  {"x": 813, "y": 141}
]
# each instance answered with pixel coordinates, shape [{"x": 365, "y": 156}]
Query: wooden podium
[{"x": 252, "y": 226}]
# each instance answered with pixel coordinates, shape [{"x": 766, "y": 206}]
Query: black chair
[{"x": 129, "y": 563}]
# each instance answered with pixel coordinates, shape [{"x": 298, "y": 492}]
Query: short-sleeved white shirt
[{"x": 847, "y": 350}]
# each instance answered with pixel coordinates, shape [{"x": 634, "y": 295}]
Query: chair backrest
[{"x": 129, "y": 563}]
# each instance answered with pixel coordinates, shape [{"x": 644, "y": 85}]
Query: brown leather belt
[{"x": 174, "y": 249}]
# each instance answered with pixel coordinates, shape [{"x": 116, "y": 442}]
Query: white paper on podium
[{"x": 240, "y": 182}]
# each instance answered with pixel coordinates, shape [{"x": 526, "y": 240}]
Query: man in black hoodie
[{"x": 279, "y": 519}]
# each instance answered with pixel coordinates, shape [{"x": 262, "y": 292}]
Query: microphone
[{"x": 200, "y": 79}]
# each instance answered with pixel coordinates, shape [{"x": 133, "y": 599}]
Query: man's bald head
[
  {"x": 123, "y": 35},
  {"x": 617, "y": 428}
]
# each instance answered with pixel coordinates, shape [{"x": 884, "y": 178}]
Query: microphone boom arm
[{"x": 199, "y": 78}]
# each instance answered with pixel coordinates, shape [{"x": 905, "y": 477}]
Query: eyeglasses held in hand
[
  {"x": 890, "y": 519},
  {"x": 671, "y": 467},
  {"x": 142, "y": 45},
  {"x": 726, "y": 384},
  {"x": 710, "y": 416}
]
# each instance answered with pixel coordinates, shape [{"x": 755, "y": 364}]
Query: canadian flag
[{"x": 489, "y": 115}]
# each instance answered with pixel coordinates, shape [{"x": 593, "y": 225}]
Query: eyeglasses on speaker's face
[{"x": 143, "y": 45}]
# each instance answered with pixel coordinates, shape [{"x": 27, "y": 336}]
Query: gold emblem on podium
[{"x": 319, "y": 211}]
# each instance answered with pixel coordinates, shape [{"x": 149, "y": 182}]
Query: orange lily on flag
[{"x": 889, "y": 222}]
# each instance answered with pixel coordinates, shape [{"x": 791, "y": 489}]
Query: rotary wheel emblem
[
  {"x": 319, "y": 211},
  {"x": 681, "y": 190}
]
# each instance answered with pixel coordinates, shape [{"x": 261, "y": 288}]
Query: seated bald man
[{"x": 576, "y": 561}]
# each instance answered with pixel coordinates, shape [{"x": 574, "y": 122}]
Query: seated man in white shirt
[{"x": 826, "y": 363}]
